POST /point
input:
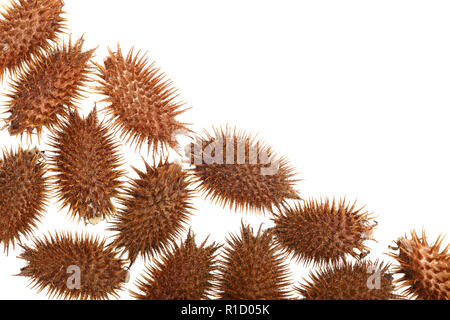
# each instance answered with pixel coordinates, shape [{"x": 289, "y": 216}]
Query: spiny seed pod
[
  {"x": 323, "y": 231},
  {"x": 143, "y": 103},
  {"x": 252, "y": 268},
  {"x": 362, "y": 280},
  {"x": 155, "y": 208},
  {"x": 23, "y": 194},
  {"x": 27, "y": 28},
  {"x": 425, "y": 268},
  {"x": 237, "y": 171},
  {"x": 47, "y": 89},
  {"x": 187, "y": 272},
  {"x": 86, "y": 161},
  {"x": 74, "y": 267}
]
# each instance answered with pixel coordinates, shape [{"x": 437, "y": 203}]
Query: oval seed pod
[
  {"x": 252, "y": 268},
  {"x": 236, "y": 170},
  {"x": 425, "y": 268},
  {"x": 323, "y": 231},
  {"x": 155, "y": 209},
  {"x": 47, "y": 89},
  {"x": 85, "y": 161},
  {"x": 186, "y": 272},
  {"x": 23, "y": 194},
  {"x": 27, "y": 28},
  {"x": 74, "y": 267},
  {"x": 362, "y": 280},
  {"x": 142, "y": 103}
]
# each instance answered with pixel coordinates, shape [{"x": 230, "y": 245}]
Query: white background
[{"x": 354, "y": 93}]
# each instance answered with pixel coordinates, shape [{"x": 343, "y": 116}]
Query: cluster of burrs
[{"x": 83, "y": 170}]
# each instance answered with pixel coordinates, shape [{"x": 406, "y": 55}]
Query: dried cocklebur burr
[
  {"x": 236, "y": 170},
  {"x": 323, "y": 231},
  {"x": 27, "y": 28},
  {"x": 155, "y": 208},
  {"x": 86, "y": 162},
  {"x": 252, "y": 268},
  {"x": 361, "y": 280},
  {"x": 185, "y": 272},
  {"x": 74, "y": 267},
  {"x": 46, "y": 90},
  {"x": 425, "y": 268},
  {"x": 23, "y": 194},
  {"x": 142, "y": 104}
]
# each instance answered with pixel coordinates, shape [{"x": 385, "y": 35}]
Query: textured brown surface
[
  {"x": 248, "y": 182},
  {"x": 23, "y": 194},
  {"x": 323, "y": 231},
  {"x": 186, "y": 272},
  {"x": 49, "y": 263},
  {"x": 155, "y": 209},
  {"x": 47, "y": 89},
  {"x": 86, "y": 164},
  {"x": 142, "y": 102},
  {"x": 27, "y": 27},
  {"x": 252, "y": 268},
  {"x": 424, "y": 268},
  {"x": 349, "y": 281}
]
